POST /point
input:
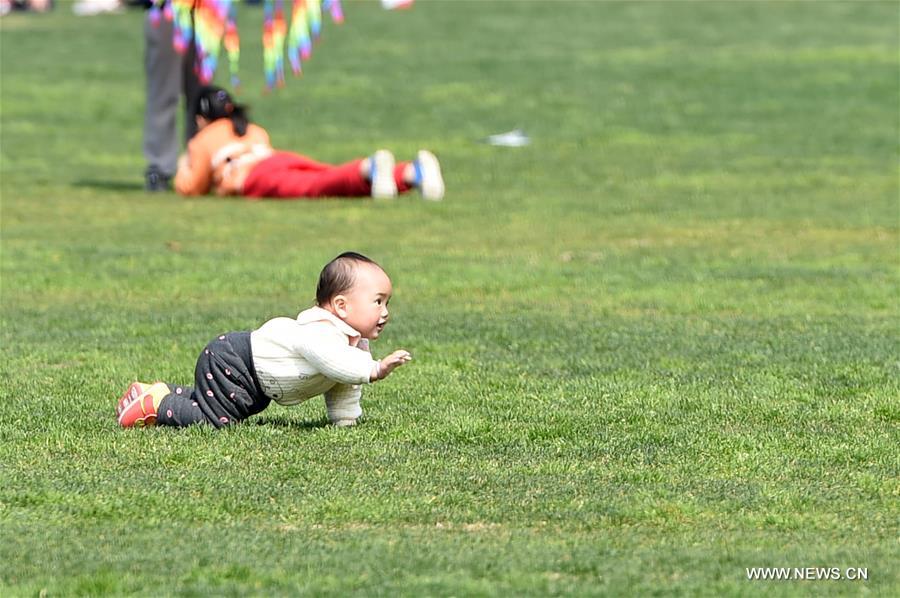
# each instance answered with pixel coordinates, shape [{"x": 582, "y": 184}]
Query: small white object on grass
[
  {"x": 88, "y": 8},
  {"x": 395, "y": 4},
  {"x": 514, "y": 138}
]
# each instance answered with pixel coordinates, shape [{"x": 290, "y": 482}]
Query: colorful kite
[
  {"x": 211, "y": 24},
  {"x": 306, "y": 26},
  {"x": 274, "y": 32}
]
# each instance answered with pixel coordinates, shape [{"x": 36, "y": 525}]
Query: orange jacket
[{"x": 218, "y": 159}]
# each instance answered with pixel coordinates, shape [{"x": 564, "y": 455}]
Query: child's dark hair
[
  {"x": 214, "y": 103},
  {"x": 338, "y": 275}
]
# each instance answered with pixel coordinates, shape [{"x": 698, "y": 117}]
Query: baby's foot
[
  {"x": 138, "y": 406},
  {"x": 134, "y": 391}
]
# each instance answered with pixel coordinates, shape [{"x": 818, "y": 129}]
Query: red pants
[{"x": 287, "y": 175}]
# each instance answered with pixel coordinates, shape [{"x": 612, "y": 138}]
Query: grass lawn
[{"x": 657, "y": 346}]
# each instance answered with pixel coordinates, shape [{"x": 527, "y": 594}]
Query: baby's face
[{"x": 367, "y": 301}]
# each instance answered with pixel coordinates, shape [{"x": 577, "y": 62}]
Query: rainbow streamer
[
  {"x": 177, "y": 12},
  {"x": 306, "y": 26},
  {"x": 233, "y": 45},
  {"x": 296, "y": 36},
  {"x": 334, "y": 7},
  {"x": 159, "y": 9},
  {"x": 212, "y": 18},
  {"x": 314, "y": 18},
  {"x": 183, "y": 24},
  {"x": 274, "y": 29},
  {"x": 299, "y": 41},
  {"x": 210, "y": 24}
]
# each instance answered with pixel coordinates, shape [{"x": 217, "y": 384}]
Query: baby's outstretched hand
[{"x": 389, "y": 363}]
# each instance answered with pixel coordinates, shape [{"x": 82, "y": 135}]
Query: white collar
[{"x": 317, "y": 314}]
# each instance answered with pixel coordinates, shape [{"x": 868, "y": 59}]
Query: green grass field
[{"x": 654, "y": 348}]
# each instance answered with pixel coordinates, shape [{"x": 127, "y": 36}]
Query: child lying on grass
[
  {"x": 232, "y": 156},
  {"x": 323, "y": 351}
]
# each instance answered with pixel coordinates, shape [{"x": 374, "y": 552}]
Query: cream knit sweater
[{"x": 318, "y": 353}]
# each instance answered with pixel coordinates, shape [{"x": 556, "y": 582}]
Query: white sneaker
[
  {"x": 428, "y": 176},
  {"x": 382, "y": 175}
]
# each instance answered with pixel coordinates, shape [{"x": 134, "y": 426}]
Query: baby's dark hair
[
  {"x": 214, "y": 103},
  {"x": 338, "y": 275}
]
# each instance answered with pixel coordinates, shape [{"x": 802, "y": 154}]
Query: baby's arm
[
  {"x": 342, "y": 401},
  {"x": 326, "y": 350},
  {"x": 387, "y": 365}
]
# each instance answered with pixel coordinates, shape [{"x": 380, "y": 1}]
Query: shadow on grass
[
  {"x": 105, "y": 185},
  {"x": 290, "y": 424}
]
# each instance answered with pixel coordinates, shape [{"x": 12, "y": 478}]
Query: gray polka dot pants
[{"x": 225, "y": 390}]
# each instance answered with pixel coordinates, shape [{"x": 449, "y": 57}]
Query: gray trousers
[
  {"x": 226, "y": 389},
  {"x": 169, "y": 75}
]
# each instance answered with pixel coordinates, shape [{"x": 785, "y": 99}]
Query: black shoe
[{"x": 155, "y": 181}]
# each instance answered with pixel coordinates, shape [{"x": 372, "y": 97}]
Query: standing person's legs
[
  {"x": 191, "y": 87},
  {"x": 162, "y": 68}
]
